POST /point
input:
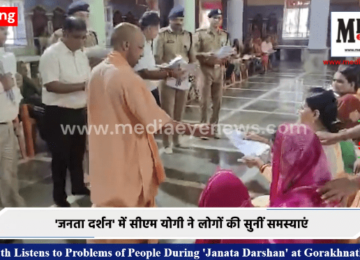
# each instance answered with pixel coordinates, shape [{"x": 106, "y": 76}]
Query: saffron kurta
[{"x": 125, "y": 166}]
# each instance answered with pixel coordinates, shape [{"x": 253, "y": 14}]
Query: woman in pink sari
[
  {"x": 299, "y": 168},
  {"x": 225, "y": 190}
]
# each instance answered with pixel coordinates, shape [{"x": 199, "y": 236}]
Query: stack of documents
[
  {"x": 179, "y": 63},
  {"x": 225, "y": 52}
]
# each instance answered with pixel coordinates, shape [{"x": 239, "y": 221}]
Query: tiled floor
[{"x": 264, "y": 99}]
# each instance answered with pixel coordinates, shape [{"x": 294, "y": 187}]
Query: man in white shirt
[
  {"x": 9, "y": 110},
  {"x": 146, "y": 66},
  {"x": 65, "y": 70}
]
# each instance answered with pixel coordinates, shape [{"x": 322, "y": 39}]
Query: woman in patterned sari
[
  {"x": 319, "y": 112},
  {"x": 299, "y": 169}
]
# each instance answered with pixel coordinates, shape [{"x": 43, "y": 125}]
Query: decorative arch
[
  {"x": 257, "y": 26},
  {"x": 272, "y": 24},
  {"x": 39, "y": 20},
  {"x": 58, "y": 18},
  {"x": 117, "y": 18}
]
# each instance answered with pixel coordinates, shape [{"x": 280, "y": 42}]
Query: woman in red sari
[{"x": 346, "y": 84}]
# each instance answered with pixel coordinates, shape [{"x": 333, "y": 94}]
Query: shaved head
[{"x": 129, "y": 40}]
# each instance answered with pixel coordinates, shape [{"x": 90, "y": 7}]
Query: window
[
  {"x": 296, "y": 17},
  {"x": 16, "y": 35}
]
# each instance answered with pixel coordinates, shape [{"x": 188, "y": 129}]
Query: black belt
[{"x": 3, "y": 123}]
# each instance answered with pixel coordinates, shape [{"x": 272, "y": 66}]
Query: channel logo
[
  {"x": 8, "y": 16},
  {"x": 345, "y": 34}
]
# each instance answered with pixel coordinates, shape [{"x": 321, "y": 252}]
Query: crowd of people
[{"x": 314, "y": 162}]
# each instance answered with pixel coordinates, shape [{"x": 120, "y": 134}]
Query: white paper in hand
[
  {"x": 174, "y": 64},
  {"x": 224, "y": 52},
  {"x": 247, "y": 147},
  {"x": 97, "y": 52},
  {"x": 246, "y": 57},
  {"x": 177, "y": 63},
  {"x": 8, "y": 61}
]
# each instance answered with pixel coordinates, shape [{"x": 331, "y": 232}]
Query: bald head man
[{"x": 128, "y": 40}]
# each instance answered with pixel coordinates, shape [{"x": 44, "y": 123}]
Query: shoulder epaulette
[
  {"x": 201, "y": 30},
  {"x": 164, "y": 29}
]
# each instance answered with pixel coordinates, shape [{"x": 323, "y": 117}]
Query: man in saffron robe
[{"x": 125, "y": 165}]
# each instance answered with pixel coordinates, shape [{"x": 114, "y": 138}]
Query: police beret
[
  {"x": 78, "y": 6},
  {"x": 176, "y": 12},
  {"x": 214, "y": 12}
]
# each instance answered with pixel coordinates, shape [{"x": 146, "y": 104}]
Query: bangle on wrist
[{"x": 263, "y": 167}]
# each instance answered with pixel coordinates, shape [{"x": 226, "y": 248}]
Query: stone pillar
[
  {"x": 190, "y": 16},
  {"x": 98, "y": 19},
  {"x": 317, "y": 50},
  {"x": 235, "y": 11}
]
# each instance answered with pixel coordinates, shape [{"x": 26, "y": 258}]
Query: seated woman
[
  {"x": 299, "y": 169},
  {"x": 248, "y": 56},
  {"x": 319, "y": 113},
  {"x": 258, "y": 54},
  {"x": 346, "y": 84},
  {"x": 240, "y": 69},
  {"x": 267, "y": 50},
  {"x": 233, "y": 68},
  {"x": 225, "y": 189}
]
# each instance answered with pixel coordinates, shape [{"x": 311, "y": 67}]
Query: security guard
[
  {"x": 174, "y": 41},
  {"x": 80, "y": 10},
  {"x": 209, "y": 41}
]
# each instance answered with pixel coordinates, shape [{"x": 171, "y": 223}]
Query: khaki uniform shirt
[
  {"x": 91, "y": 39},
  {"x": 170, "y": 44},
  {"x": 210, "y": 41}
]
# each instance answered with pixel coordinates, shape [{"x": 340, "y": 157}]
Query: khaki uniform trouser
[
  {"x": 173, "y": 102},
  {"x": 212, "y": 88},
  {"x": 9, "y": 188}
]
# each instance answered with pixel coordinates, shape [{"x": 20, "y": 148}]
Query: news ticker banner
[
  {"x": 173, "y": 251},
  {"x": 179, "y": 223}
]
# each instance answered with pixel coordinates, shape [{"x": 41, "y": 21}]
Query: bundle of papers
[
  {"x": 8, "y": 66},
  {"x": 247, "y": 57},
  {"x": 270, "y": 52},
  {"x": 8, "y": 61},
  {"x": 247, "y": 147},
  {"x": 225, "y": 52},
  {"x": 179, "y": 63}
]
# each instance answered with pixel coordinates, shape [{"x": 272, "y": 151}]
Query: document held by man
[
  {"x": 225, "y": 52},
  {"x": 179, "y": 63}
]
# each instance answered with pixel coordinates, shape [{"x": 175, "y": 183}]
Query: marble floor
[{"x": 263, "y": 100}]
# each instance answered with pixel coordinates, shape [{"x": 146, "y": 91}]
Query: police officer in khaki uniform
[
  {"x": 209, "y": 41},
  {"x": 172, "y": 42},
  {"x": 80, "y": 10}
]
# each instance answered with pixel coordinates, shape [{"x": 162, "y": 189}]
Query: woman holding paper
[
  {"x": 299, "y": 169},
  {"x": 319, "y": 112}
]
